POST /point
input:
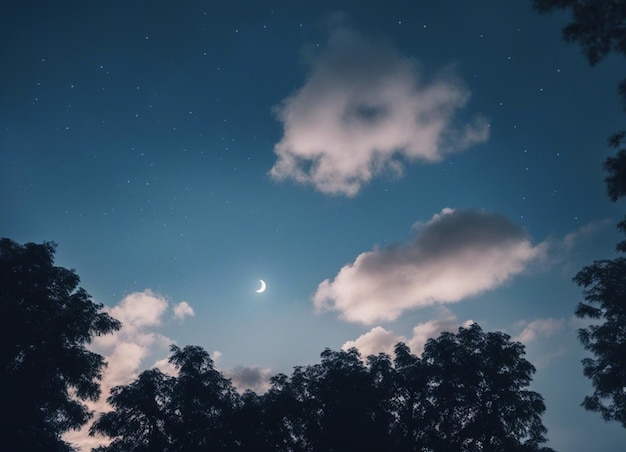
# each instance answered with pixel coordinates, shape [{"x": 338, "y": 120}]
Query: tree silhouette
[
  {"x": 47, "y": 321},
  {"x": 278, "y": 419},
  {"x": 346, "y": 412},
  {"x": 605, "y": 286},
  {"x": 410, "y": 400},
  {"x": 477, "y": 391},
  {"x": 140, "y": 415},
  {"x": 600, "y": 28},
  {"x": 202, "y": 403},
  {"x": 468, "y": 392},
  {"x": 333, "y": 405},
  {"x": 255, "y": 427}
]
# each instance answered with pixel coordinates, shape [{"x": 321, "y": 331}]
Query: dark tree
[
  {"x": 599, "y": 26},
  {"x": 346, "y": 403},
  {"x": 334, "y": 405},
  {"x": 477, "y": 387},
  {"x": 46, "y": 369},
  {"x": 193, "y": 411},
  {"x": 285, "y": 414},
  {"x": 140, "y": 416},
  {"x": 616, "y": 167},
  {"x": 274, "y": 421},
  {"x": 605, "y": 292},
  {"x": 468, "y": 392},
  {"x": 383, "y": 398},
  {"x": 616, "y": 180},
  {"x": 410, "y": 400},
  {"x": 251, "y": 425},
  {"x": 202, "y": 403}
]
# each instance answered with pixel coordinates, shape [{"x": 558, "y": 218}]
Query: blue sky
[{"x": 390, "y": 172}]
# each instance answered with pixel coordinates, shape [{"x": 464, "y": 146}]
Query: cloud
[
  {"x": 254, "y": 378},
  {"x": 182, "y": 310},
  {"x": 539, "y": 328},
  {"x": 127, "y": 349},
  {"x": 455, "y": 255},
  {"x": 363, "y": 110},
  {"x": 379, "y": 340},
  {"x": 545, "y": 360},
  {"x": 585, "y": 231},
  {"x": 432, "y": 329},
  {"x": 165, "y": 366},
  {"x": 140, "y": 309}
]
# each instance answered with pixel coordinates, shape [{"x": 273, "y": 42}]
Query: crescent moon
[{"x": 263, "y": 286}]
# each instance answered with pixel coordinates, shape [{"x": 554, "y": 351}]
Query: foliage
[
  {"x": 202, "y": 402},
  {"x": 599, "y": 26},
  {"x": 478, "y": 397},
  {"x": 605, "y": 292},
  {"x": 468, "y": 392},
  {"x": 410, "y": 401},
  {"x": 190, "y": 412},
  {"x": 140, "y": 414},
  {"x": 47, "y": 321},
  {"x": 342, "y": 410}
]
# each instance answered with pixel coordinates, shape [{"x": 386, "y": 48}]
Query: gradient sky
[{"x": 391, "y": 170}]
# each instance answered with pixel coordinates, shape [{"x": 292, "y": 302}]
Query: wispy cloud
[
  {"x": 539, "y": 328},
  {"x": 585, "y": 231},
  {"x": 552, "y": 338},
  {"x": 455, "y": 255},
  {"x": 363, "y": 109}
]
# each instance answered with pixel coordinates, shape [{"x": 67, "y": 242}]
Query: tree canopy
[
  {"x": 467, "y": 392},
  {"x": 605, "y": 293},
  {"x": 47, "y": 370}
]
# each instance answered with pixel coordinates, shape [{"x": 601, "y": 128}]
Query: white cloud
[
  {"x": 140, "y": 309},
  {"x": 182, "y": 310},
  {"x": 379, "y": 340},
  {"x": 455, "y": 255},
  {"x": 126, "y": 350},
  {"x": 254, "y": 378},
  {"x": 165, "y": 366},
  {"x": 539, "y": 328},
  {"x": 363, "y": 109},
  {"x": 375, "y": 341}
]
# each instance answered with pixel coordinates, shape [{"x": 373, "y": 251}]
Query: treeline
[{"x": 467, "y": 392}]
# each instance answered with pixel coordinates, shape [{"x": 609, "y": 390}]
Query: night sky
[{"x": 391, "y": 170}]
